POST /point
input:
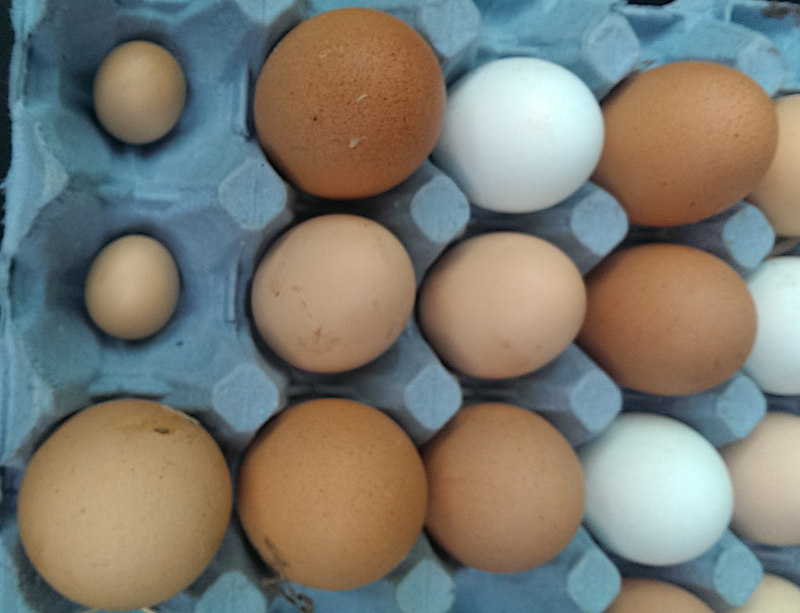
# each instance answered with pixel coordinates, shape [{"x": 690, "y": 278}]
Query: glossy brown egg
[
  {"x": 685, "y": 141},
  {"x": 667, "y": 319},
  {"x": 349, "y": 103},
  {"x": 332, "y": 494},
  {"x": 506, "y": 489}
]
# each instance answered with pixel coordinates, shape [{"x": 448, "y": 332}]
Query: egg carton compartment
[
  {"x": 589, "y": 580},
  {"x": 723, "y": 577},
  {"x": 207, "y": 193}
]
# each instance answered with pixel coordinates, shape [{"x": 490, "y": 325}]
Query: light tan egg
[
  {"x": 132, "y": 287},
  {"x": 333, "y": 293},
  {"x": 773, "y": 595},
  {"x": 764, "y": 467},
  {"x": 778, "y": 192},
  {"x": 124, "y": 505},
  {"x": 655, "y": 596},
  {"x": 139, "y": 92},
  {"x": 501, "y": 304}
]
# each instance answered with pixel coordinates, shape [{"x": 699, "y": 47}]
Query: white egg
[
  {"x": 657, "y": 492},
  {"x": 520, "y": 134},
  {"x": 774, "y": 361}
]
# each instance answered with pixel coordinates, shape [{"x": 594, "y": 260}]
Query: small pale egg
[
  {"x": 764, "y": 466},
  {"x": 332, "y": 494},
  {"x": 667, "y": 319},
  {"x": 773, "y": 595},
  {"x": 778, "y": 192},
  {"x": 685, "y": 141},
  {"x": 132, "y": 287},
  {"x": 657, "y": 492},
  {"x": 520, "y": 134},
  {"x": 774, "y": 361},
  {"x": 501, "y": 304},
  {"x": 333, "y": 293},
  {"x": 506, "y": 489},
  {"x": 655, "y": 596},
  {"x": 349, "y": 103},
  {"x": 139, "y": 92},
  {"x": 124, "y": 505}
]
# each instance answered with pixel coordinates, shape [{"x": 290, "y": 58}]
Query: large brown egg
[
  {"x": 332, "y": 494},
  {"x": 349, "y": 103},
  {"x": 655, "y": 596},
  {"x": 685, "y": 141},
  {"x": 667, "y": 319},
  {"x": 506, "y": 489},
  {"x": 124, "y": 505}
]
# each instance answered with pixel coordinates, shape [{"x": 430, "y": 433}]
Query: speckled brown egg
[
  {"x": 332, "y": 494},
  {"x": 655, "y": 596},
  {"x": 667, "y": 319},
  {"x": 124, "y": 505},
  {"x": 685, "y": 141},
  {"x": 506, "y": 489},
  {"x": 349, "y": 103}
]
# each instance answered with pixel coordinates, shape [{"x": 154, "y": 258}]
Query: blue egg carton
[{"x": 207, "y": 192}]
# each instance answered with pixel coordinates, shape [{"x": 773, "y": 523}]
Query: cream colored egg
[
  {"x": 124, "y": 505},
  {"x": 132, "y": 287},
  {"x": 139, "y": 92},
  {"x": 773, "y": 595}
]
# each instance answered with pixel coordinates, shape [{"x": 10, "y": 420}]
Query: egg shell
[
  {"x": 774, "y": 360},
  {"x": 506, "y": 488},
  {"x": 654, "y": 596},
  {"x": 139, "y": 92},
  {"x": 124, "y": 505},
  {"x": 520, "y": 134},
  {"x": 657, "y": 492},
  {"x": 684, "y": 141},
  {"x": 349, "y": 103},
  {"x": 667, "y": 319},
  {"x": 501, "y": 304},
  {"x": 778, "y": 191},
  {"x": 333, "y": 293},
  {"x": 764, "y": 467},
  {"x": 774, "y": 594},
  {"x": 132, "y": 287},
  {"x": 332, "y": 494}
]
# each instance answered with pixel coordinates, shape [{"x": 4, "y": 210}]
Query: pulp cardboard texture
[{"x": 207, "y": 192}]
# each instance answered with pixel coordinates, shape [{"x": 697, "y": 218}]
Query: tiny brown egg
[
  {"x": 667, "y": 319},
  {"x": 349, "y": 103},
  {"x": 132, "y": 287},
  {"x": 332, "y": 494},
  {"x": 333, "y": 293},
  {"x": 506, "y": 489},
  {"x": 124, "y": 505},
  {"x": 501, "y": 304},
  {"x": 685, "y": 141},
  {"x": 778, "y": 192},
  {"x": 139, "y": 92},
  {"x": 655, "y": 596}
]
